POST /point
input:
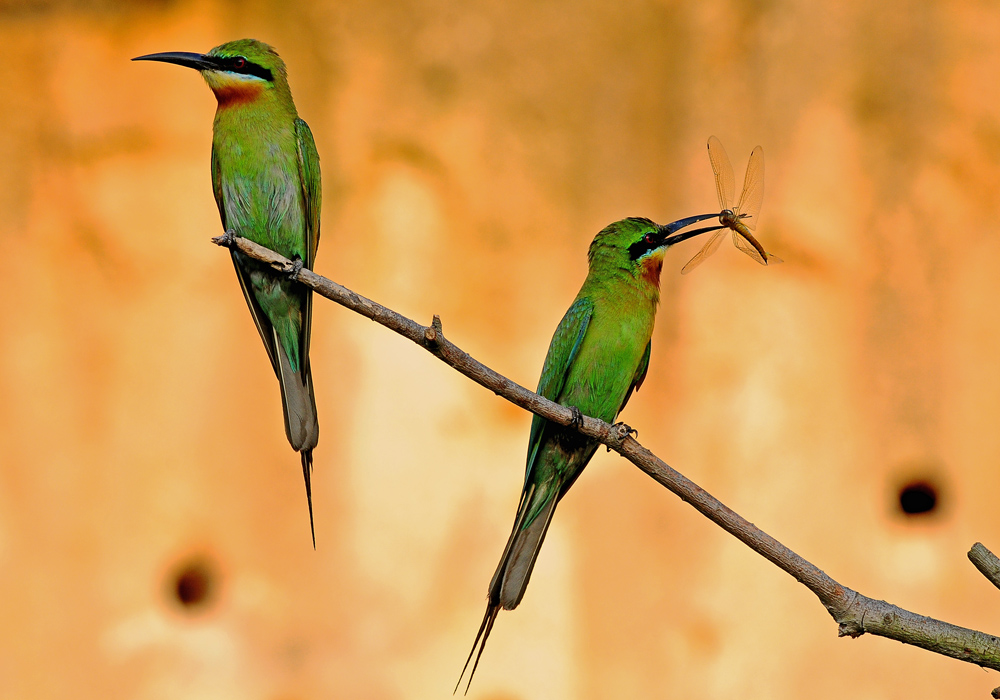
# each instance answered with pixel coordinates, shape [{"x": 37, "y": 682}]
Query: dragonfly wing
[
  {"x": 705, "y": 252},
  {"x": 749, "y": 245},
  {"x": 725, "y": 182},
  {"x": 748, "y": 208}
]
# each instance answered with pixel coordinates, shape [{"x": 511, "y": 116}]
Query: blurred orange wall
[{"x": 470, "y": 152}]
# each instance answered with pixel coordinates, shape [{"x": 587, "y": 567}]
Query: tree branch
[
  {"x": 987, "y": 563},
  {"x": 854, "y": 613}
]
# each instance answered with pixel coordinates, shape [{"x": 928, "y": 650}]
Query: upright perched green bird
[
  {"x": 265, "y": 174},
  {"x": 597, "y": 358}
]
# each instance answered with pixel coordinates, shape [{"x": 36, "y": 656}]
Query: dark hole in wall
[
  {"x": 193, "y": 585},
  {"x": 919, "y": 498}
]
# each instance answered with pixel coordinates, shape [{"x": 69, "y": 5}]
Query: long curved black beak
[
  {"x": 690, "y": 234},
  {"x": 181, "y": 58},
  {"x": 670, "y": 228}
]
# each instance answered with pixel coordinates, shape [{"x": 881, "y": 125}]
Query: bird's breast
[
  {"x": 261, "y": 191},
  {"x": 605, "y": 365}
]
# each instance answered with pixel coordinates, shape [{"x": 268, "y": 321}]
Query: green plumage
[
  {"x": 598, "y": 356},
  {"x": 266, "y": 180}
]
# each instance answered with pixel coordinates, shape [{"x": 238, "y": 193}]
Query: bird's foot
[
  {"x": 623, "y": 430},
  {"x": 296, "y": 269},
  {"x": 228, "y": 239},
  {"x": 577, "y": 420}
]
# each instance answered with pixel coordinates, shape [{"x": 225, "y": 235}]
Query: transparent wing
[
  {"x": 749, "y": 245},
  {"x": 725, "y": 182},
  {"x": 748, "y": 208},
  {"x": 705, "y": 252}
]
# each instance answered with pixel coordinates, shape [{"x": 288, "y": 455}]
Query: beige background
[{"x": 470, "y": 152}]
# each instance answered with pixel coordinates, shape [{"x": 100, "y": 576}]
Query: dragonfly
[{"x": 742, "y": 218}]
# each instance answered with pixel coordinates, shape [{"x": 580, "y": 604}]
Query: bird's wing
[
  {"x": 312, "y": 191},
  {"x": 217, "y": 188},
  {"x": 312, "y": 196},
  {"x": 638, "y": 377},
  {"x": 563, "y": 349},
  {"x": 259, "y": 317}
]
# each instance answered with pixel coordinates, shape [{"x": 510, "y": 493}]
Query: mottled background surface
[{"x": 471, "y": 150}]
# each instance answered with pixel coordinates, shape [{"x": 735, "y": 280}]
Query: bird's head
[
  {"x": 636, "y": 246},
  {"x": 239, "y": 72}
]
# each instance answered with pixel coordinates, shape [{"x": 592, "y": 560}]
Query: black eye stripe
[
  {"x": 239, "y": 64},
  {"x": 641, "y": 247}
]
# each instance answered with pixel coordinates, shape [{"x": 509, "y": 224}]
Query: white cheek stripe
[{"x": 236, "y": 77}]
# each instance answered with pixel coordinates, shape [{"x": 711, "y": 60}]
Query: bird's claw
[
  {"x": 623, "y": 430},
  {"x": 577, "y": 420},
  {"x": 296, "y": 269},
  {"x": 228, "y": 239}
]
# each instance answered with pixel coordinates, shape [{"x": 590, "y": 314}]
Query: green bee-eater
[
  {"x": 598, "y": 356},
  {"x": 265, "y": 174}
]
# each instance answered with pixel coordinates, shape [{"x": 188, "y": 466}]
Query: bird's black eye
[
  {"x": 239, "y": 62},
  {"x": 649, "y": 238}
]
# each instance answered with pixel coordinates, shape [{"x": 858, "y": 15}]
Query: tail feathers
[
  {"x": 523, "y": 553},
  {"x": 297, "y": 400},
  {"x": 522, "y": 512},
  {"x": 484, "y": 633},
  {"x": 307, "y": 465},
  {"x": 511, "y": 577},
  {"x": 301, "y": 424}
]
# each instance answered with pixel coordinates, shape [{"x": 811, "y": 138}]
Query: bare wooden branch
[
  {"x": 855, "y": 614},
  {"x": 987, "y": 563}
]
